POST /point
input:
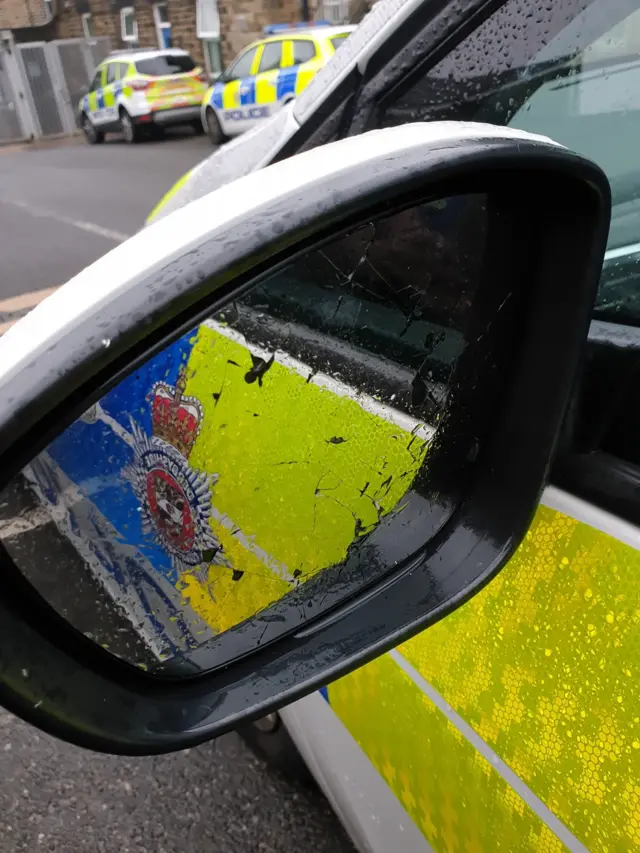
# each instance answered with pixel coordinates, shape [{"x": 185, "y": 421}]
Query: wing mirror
[{"x": 286, "y": 427}]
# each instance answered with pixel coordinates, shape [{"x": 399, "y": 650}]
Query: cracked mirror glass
[{"x": 269, "y": 464}]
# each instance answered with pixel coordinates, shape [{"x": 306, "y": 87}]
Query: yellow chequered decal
[
  {"x": 323, "y": 452},
  {"x": 543, "y": 664},
  {"x": 172, "y": 92}
]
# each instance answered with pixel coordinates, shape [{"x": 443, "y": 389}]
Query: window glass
[
  {"x": 96, "y": 82},
  {"x": 303, "y": 51},
  {"x": 123, "y": 69},
  {"x": 207, "y": 19},
  {"x": 271, "y": 56},
  {"x": 212, "y": 55},
  {"x": 572, "y": 72},
  {"x": 111, "y": 72},
  {"x": 162, "y": 66},
  {"x": 336, "y": 41},
  {"x": 242, "y": 66},
  {"x": 128, "y": 24},
  {"x": 162, "y": 12}
]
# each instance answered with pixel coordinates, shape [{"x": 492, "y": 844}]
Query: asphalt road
[
  {"x": 64, "y": 205},
  {"x": 61, "y": 207}
]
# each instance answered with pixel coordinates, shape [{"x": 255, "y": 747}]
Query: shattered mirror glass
[{"x": 270, "y": 463}]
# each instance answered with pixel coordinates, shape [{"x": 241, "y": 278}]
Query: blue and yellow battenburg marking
[
  {"x": 194, "y": 458},
  {"x": 252, "y": 97}
]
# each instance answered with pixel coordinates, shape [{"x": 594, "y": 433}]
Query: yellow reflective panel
[
  {"x": 456, "y": 798},
  {"x": 261, "y": 458},
  {"x": 231, "y": 95},
  {"x": 543, "y": 664},
  {"x": 266, "y": 87},
  {"x": 174, "y": 189},
  {"x": 306, "y": 73}
]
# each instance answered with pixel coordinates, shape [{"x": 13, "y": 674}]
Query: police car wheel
[
  {"x": 214, "y": 131},
  {"x": 92, "y": 135},
  {"x": 269, "y": 739},
  {"x": 130, "y": 132}
]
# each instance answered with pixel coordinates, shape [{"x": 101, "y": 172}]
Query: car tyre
[
  {"x": 130, "y": 132},
  {"x": 214, "y": 130},
  {"x": 269, "y": 739},
  {"x": 92, "y": 136}
]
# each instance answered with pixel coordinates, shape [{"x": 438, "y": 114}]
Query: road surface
[{"x": 61, "y": 207}]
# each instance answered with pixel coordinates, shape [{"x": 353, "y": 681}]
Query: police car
[
  {"x": 142, "y": 91},
  {"x": 266, "y": 75}
]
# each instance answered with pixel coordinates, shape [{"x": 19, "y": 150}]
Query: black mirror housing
[{"x": 522, "y": 309}]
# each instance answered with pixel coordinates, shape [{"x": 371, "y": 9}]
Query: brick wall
[
  {"x": 22, "y": 13},
  {"x": 241, "y": 22}
]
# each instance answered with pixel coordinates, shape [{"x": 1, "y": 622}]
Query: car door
[
  {"x": 110, "y": 111},
  {"x": 269, "y": 64},
  {"x": 514, "y": 721},
  {"x": 93, "y": 103},
  {"x": 301, "y": 60},
  {"x": 238, "y": 95}
]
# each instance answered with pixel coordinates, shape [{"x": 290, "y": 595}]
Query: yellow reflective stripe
[
  {"x": 109, "y": 96},
  {"x": 266, "y": 87},
  {"x": 256, "y": 61},
  {"x": 453, "y": 794},
  {"x": 174, "y": 189},
  {"x": 287, "y": 54},
  {"x": 93, "y": 101},
  {"x": 231, "y": 95},
  {"x": 261, "y": 459},
  {"x": 543, "y": 665},
  {"x": 305, "y": 75}
]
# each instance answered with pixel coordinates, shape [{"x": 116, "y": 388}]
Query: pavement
[{"x": 62, "y": 206}]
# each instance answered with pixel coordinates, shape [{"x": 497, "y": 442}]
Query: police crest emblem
[{"x": 174, "y": 497}]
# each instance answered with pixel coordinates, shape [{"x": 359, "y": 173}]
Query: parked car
[
  {"x": 512, "y": 723},
  {"x": 142, "y": 92},
  {"x": 266, "y": 75}
]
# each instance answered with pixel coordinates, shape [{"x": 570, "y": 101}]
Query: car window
[
  {"x": 165, "y": 65},
  {"x": 271, "y": 56},
  {"x": 96, "y": 82},
  {"x": 111, "y": 72},
  {"x": 303, "y": 51},
  {"x": 336, "y": 41},
  {"x": 571, "y": 72},
  {"x": 123, "y": 68},
  {"x": 242, "y": 66}
]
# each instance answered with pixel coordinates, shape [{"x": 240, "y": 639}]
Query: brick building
[{"x": 213, "y": 31}]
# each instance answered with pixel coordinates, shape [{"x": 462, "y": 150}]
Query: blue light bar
[{"x": 274, "y": 29}]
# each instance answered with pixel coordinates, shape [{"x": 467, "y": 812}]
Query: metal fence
[{"x": 41, "y": 84}]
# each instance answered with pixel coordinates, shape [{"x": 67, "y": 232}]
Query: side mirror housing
[{"x": 287, "y": 427}]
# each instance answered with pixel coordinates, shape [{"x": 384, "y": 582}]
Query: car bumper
[{"x": 164, "y": 118}]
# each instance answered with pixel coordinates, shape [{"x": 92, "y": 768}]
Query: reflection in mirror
[{"x": 271, "y": 462}]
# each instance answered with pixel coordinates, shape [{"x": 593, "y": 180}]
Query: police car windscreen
[{"x": 161, "y": 66}]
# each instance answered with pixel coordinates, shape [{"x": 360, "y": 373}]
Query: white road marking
[{"x": 83, "y": 225}]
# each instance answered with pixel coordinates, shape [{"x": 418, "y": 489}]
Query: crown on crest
[{"x": 175, "y": 418}]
